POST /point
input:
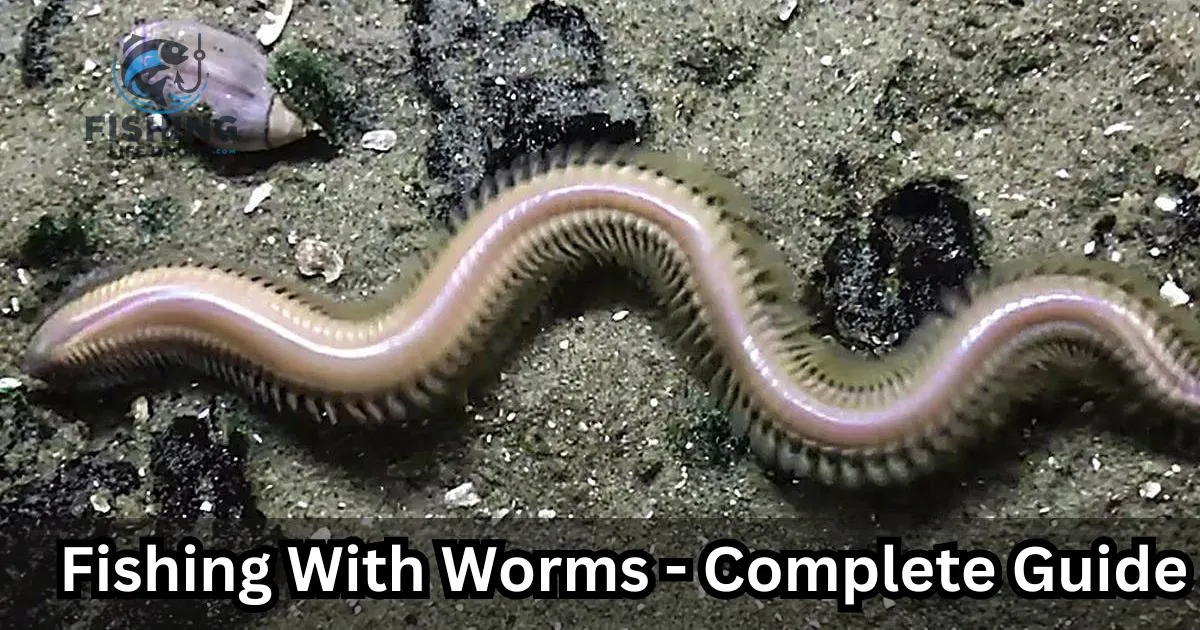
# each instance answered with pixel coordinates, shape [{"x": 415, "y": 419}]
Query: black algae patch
[
  {"x": 33, "y": 515},
  {"x": 37, "y": 54},
  {"x": 191, "y": 475},
  {"x": 54, "y": 241},
  {"x": 879, "y": 280},
  {"x": 197, "y": 475},
  {"x": 501, "y": 91}
]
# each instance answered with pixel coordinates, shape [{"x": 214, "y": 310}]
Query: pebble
[
  {"x": 9, "y": 384},
  {"x": 316, "y": 257},
  {"x": 379, "y": 140},
  {"x": 620, "y": 315},
  {"x": 1166, "y": 204},
  {"x": 1174, "y": 295},
  {"x": 140, "y": 410},
  {"x": 257, "y": 196},
  {"x": 1150, "y": 489},
  {"x": 546, "y": 513},
  {"x": 462, "y": 496},
  {"x": 100, "y": 503}
]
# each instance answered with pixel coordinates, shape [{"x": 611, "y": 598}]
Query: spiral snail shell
[{"x": 211, "y": 83}]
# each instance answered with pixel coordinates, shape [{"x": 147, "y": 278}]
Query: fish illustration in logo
[{"x": 143, "y": 74}]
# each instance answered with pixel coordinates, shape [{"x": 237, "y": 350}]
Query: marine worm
[{"x": 810, "y": 407}]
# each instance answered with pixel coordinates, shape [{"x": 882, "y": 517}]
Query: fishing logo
[
  {"x": 160, "y": 76},
  {"x": 162, "y": 72}
]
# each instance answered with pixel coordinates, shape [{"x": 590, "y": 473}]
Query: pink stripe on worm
[{"x": 809, "y": 407}]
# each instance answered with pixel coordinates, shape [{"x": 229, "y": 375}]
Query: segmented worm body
[{"x": 809, "y": 407}]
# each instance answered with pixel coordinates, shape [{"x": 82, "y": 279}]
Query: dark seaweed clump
[
  {"x": 310, "y": 83},
  {"x": 58, "y": 241}
]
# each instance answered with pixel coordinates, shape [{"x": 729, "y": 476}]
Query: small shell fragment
[
  {"x": 379, "y": 140},
  {"x": 1116, "y": 128},
  {"x": 786, "y": 9},
  {"x": 1174, "y": 295},
  {"x": 316, "y": 257},
  {"x": 257, "y": 196},
  {"x": 270, "y": 32}
]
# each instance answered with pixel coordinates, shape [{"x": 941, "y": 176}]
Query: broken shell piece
[
  {"x": 314, "y": 256},
  {"x": 257, "y": 197},
  {"x": 381, "y": 140},
  {"x": 211, "y": 83},
  {"x": 270, "y": 32}
]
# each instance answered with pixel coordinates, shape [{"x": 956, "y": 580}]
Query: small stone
[
  {"x": 257, "y": 196},
  {"x": 316, "y": 257},
  {"x": 620, "y": 315},
  {"x": 94, "y": 11},
  {"x": 462, "y": 496},
  {"x": 381, "y": 140},
  {"x": 100, "y": 503},
  {"x": 1150, "y": 490},
  {"x": 9, "y": 384},
  {"x": 206, "y": 506},
  {"x": 140, "y": 410},
  {"x": 546, "y": 513},
  {"x": 89, "y": 66},
  {"x": 1174, "y": 295},
  {"x": 1166, "y": 204}
]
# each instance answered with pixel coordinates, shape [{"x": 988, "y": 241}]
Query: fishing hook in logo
[{"x": 201, "y": 78}]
